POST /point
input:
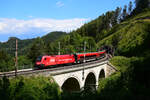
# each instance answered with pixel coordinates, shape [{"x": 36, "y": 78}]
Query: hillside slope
[{"x": 130, "y": 38}]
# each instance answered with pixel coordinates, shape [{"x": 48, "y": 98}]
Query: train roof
[
  {"x": 91, "y": 52},
  {"x": 65, "y": 55}
]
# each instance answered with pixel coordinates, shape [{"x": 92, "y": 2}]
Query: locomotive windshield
[{"x": 39, "y": 58}]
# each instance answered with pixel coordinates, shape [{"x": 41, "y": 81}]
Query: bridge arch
[
  {"x": 71, "y": 84},
  {"x": 101, "y": 74},
  {"x": 90, "y": 81}
]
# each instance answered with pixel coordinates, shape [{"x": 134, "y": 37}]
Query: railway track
[{"x": 12, "y": 74}]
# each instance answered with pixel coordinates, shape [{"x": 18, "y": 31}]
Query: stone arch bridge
[{"x": 81, "y": 76}]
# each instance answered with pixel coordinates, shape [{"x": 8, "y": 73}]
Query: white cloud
[
  {"x": 17, "y": 27},
  {"x": 59, "y": 4},
  {"x": 30, "y": 16}
]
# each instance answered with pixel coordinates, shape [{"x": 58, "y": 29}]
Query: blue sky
[{"x": 32, "y": 18}]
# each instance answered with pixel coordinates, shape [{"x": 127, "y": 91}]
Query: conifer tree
[
  {"x": 124, "y": 13},
  {"x": 130, "y": 7},
  {"x": 116, "y": 16},
  {"x": 141, "y": 5}
]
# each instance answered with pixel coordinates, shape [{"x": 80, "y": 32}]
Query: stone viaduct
[{"x": 77, "y": 78}]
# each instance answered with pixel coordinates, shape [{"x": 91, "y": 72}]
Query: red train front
[{"x": 45, "y": 61}]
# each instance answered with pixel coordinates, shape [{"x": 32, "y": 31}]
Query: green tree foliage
[
  {"x": 24, "y": 62},
  {"x": 75, "y": 39},
  {"x": 129, "y": 38},
  {"x": 116, "y": 16},
  {"x": 131, "y": 81},
  {"x": 33, "y": 88},
  {"x": 4, "y": 89},
  {"x": 6, "y": 61},
  {"x": 97, "y": 26},
  {"x": 53, "y": 36},
  {"x": 130, "y": 7},
  {"x": 72, "y": 43},
  {"x": 141, "y": 5},
  {"x": 37, "y": 49},
  {"x": 90, "y": 44},
  {"x": 53, "y": 47},
  {"x": 124, "y": 13},
  {"x": 128, "y": 82},
  {"x": 10, "y": 46},
  {"x": 24, "y": 45}
]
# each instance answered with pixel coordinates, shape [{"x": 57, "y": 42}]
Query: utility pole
[
  {"x": 59, "y": 48},
  {"x": 84, "y": 60},
  {"x": 84, "y": 49},
  {"x": 16, "y": 59}
]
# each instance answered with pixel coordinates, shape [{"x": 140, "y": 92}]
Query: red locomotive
[{"x": 45, "y": 61}]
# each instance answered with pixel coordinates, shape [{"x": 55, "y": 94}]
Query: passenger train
[{"x": 53, "y": 60}]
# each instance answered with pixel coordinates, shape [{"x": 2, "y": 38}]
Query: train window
[
  {"x": 39, "y": 58},
  {"x": 44, "y": 58}
]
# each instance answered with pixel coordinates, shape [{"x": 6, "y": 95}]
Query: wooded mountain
[
  {"x": 24, "y": 45},
  {"x": 53, "y": 36}
]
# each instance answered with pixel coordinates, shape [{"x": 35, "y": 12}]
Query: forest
[{"x": 126, "y": 30}]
